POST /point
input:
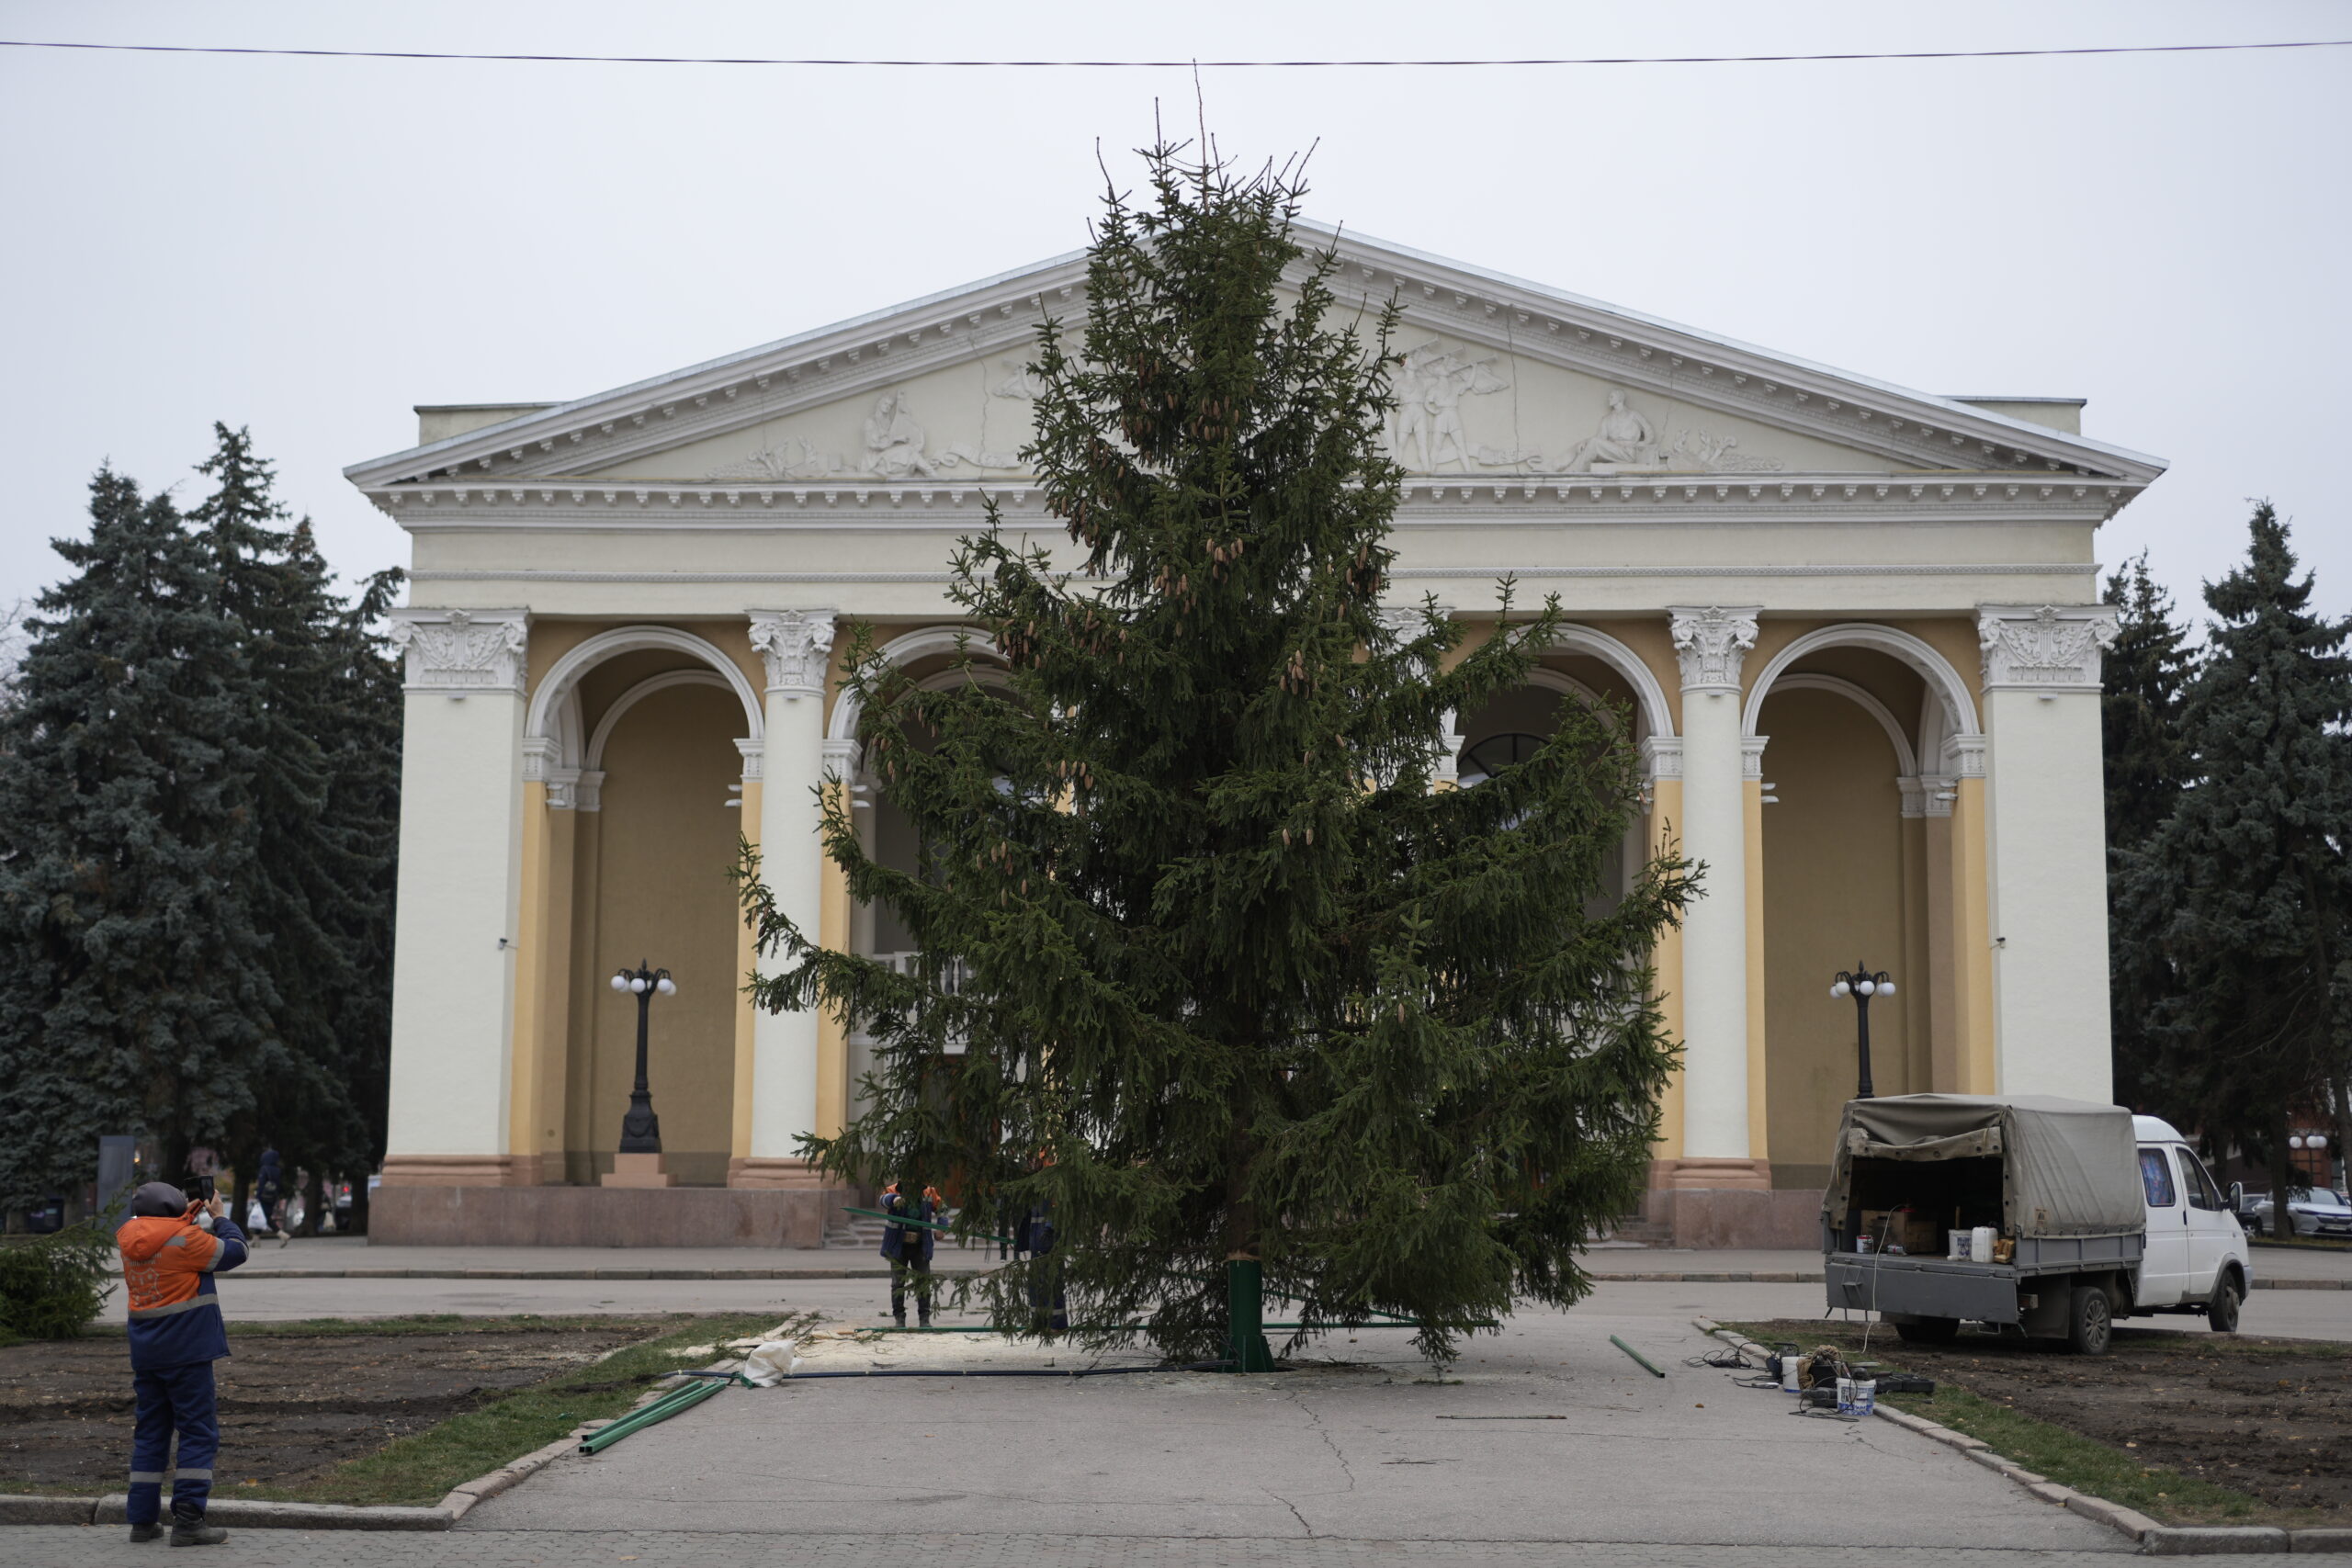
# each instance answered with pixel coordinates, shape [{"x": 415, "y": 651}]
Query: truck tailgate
[{"x": 1922, "y": 1287}]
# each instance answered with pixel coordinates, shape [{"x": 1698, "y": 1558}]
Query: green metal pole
[{"x": 1245, "y": 1300}]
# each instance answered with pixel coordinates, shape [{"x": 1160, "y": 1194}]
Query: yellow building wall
[
  {"x": 1834, "y": 894},
  {"x": 666, "y": 838}
]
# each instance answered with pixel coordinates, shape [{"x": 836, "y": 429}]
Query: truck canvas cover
[{"x": 2068, "y": 1166}]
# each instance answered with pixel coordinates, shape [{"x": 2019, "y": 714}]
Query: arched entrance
[
  {"x": 642, "y": 736},
  {"x": 1855, "y": 726}
]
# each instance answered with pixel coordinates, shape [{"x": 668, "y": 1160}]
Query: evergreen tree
[
  {"x": 315, "y": 725},
  {"x": 2249, "y": 868},
  {"x": 1211, "y": 971},
  {"x": 2147, "y": 761},
  {"x": 140, "y": 992},
  {"x": 363, "y": 758}
]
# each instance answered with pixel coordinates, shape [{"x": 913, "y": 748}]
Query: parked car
[
  {"x": 2099, "y": 1214},
  {"x": 2317, "y": 1212}
]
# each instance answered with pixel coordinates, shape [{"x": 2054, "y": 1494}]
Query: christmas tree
[{"x": 1215, "y": 975}]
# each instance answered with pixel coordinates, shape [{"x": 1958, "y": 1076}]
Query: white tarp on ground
[{"x": 2068, "y": 1166}]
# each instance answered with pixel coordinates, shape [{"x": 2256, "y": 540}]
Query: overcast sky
[{"x": 310, "y": 247}]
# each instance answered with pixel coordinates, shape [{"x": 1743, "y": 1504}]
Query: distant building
[{"x": 1855, "y": 629}]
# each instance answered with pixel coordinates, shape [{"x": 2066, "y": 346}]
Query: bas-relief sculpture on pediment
[{"x": 1461, "y": 410}]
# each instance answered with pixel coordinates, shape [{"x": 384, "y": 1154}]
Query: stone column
[
  {"x": 2046, "y": 832},
  {"x": 455, "y": 942},
  {"x": 1712, "y": 643},
  {"x": 797, "y": 646},
  {"x": 1662, "y": 788}
]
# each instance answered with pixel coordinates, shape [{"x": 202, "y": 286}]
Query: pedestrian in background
[
  {"x": 908, "y": 1248},
  {"x": 172, "y": 1245}
]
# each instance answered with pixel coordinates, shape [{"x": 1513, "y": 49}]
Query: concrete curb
[
  {"x": 2156, "y": 1540},
  {"x": 1659, "y": 1277}
]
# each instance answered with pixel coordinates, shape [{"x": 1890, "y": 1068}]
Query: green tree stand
[{"x": 1245, "y": 1297}]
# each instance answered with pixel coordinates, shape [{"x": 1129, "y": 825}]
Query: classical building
[{"x": 1854, "y": 629}]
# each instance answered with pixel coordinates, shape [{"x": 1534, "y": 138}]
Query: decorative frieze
[
  {"x": 1712, "y": 643},
  {"x": 458, "y": 652},
  {"x": 754, "y": 754},
  {"x": 1752, "y": 756},
  {"x": 796, "y": 643},
  {"x": 2051, "y": 648}
]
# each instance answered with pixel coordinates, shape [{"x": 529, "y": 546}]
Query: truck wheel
[
  {"x": 1929, "y": 1331},
  {"x": 2090, "y": 1321},
  {"x": 2222, "y": 1311}
]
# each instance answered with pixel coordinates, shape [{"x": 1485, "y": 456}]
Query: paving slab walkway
[{"x": 1543, "y": 1433}]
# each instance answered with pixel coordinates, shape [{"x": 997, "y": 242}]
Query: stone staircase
[
  {"x": 1633, "y": 1228},
  {"x": 847, "y": 1230}
]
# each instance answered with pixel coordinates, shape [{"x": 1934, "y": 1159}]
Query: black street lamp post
[
  {"x": 641, "y": 1129},
  {"x": 1863, "y": 983}
]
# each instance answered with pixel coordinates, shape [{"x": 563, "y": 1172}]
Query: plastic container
[
  {"x": 1980, "y": 1243},
  {"x": 1956, "y": 1246},
  {"x": 1792, "y": 1369}
]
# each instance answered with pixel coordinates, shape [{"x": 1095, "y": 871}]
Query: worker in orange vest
[{"x": 172, "y": 1245}]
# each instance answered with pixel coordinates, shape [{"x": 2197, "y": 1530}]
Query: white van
[
  {"x": 2196, "y": 1258},
  {"x": 2084, "y": 1214}
]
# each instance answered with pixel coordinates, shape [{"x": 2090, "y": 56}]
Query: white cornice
[
  {"x": 605, "y": 506},
  {"x": 1912, "y": 429}
]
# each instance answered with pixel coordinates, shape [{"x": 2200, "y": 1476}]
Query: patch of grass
[
  {"x": 2164, "y": 1494},
  {"x": 419, "y": 1470},
  {"x": 2168, "y": 1495},
  {"x": 2071, "y": 1458}
]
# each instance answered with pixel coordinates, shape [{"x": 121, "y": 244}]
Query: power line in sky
[{"x": 1167, "y": 64}]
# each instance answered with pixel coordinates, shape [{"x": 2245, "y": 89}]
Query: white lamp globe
[
  {"x": 1841, "y": 990},
  {"x": 1886, "y": 988},
  {"x": 1867, "y": 988},
  {"x": 2315, "y": 1141},
  {"x": 666, "y": 986},
  {"x": 636, "y": 986},
  {"x": 620, "y": 982},
  {"x": 2295, "y": 1140}
]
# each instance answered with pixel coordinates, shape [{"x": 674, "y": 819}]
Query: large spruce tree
[
  {"x": 2248, "y": 870},
  {"x": 140, "y": 992},
  {"x": 2148, "y": 762},
  {"x": 313, "y": 724},
  {"x": 1212, "y": 970}
]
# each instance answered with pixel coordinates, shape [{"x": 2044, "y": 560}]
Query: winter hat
[{"x": 158, "y": 1199}]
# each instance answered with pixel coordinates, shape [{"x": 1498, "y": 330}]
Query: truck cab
[{"x": 2196, "y": 1258}]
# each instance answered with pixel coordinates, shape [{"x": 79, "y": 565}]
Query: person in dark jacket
[
  {"x": 172, "y": 1247},
  {"x": 908, "y": 1248},
  {"x": 1034, "y": 1236},
  {"x": 269, "y": 1186}
]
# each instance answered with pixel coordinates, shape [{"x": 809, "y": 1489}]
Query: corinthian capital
[
  {"x": 2050, "y": 648},
  {"x": 796, "y": 643},
  {"x": 1711, "y": 643},
  {"x": 461, "y": 651}
]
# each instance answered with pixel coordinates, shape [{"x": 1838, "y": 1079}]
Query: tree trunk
[
  {"x": 359, "y": 1204},
  {"x": 313, "y": 1199}
]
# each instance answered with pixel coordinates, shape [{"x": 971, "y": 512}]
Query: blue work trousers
[{"x": 173, "y": 1399}]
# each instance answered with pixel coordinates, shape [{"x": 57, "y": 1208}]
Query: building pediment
[{"x": 1502, "y": 383}]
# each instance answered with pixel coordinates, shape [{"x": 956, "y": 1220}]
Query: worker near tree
[
  {"x": 172, "y": 1246},
  {"x": 1034, "y": 1236},
  {"x": 908, "y": 1248}
]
